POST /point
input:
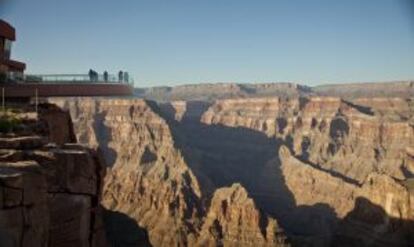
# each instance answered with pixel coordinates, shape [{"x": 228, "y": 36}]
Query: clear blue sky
[{"x": 194, "y": 41}]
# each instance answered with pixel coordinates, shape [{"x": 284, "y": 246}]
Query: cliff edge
[{"x": 49, "y": 185}]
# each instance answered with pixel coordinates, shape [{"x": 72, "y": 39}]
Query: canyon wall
[
  {"x": 149, "y": 179},
  {"x": 305, "y": 171},
  {"x": 352, "y": 139},
  {"x": 49, "y": 186}
]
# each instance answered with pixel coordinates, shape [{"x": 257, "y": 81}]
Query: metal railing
[
  {"x": 75, "y": 78},
  {"x": 11, "y": 76}
]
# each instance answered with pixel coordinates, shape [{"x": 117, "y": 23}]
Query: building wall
[
  {"x": 13, "y": 69},
  {"x": 2, "y": 47}
]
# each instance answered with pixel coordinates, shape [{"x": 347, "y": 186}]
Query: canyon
[
  {"x": 271, "y": 170},
  {"x": 299, "y": 170}
]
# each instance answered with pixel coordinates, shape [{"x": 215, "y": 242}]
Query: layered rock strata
[
  {"x": 216, "y": 91},
  {"x": 377, "y": 213},
  {"x": 243, "y": 171},
  {"x": 337, "y": 135},
  {"x": 149, "y": 179},
  {"x": 234, "y": 220},
  {"x": 49, "y": 190}
]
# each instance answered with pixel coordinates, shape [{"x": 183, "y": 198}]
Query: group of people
[
  {"x": 123, "y": 76},
  {"x": 93, "y": 75}
]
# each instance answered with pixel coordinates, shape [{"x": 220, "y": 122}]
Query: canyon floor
[{"x": 248, "y": 165}]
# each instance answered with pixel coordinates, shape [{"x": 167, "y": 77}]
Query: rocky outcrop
[
  {"x": 15, "y": 205},
  {"x": 377, "y": 213},
  {"x": 148, "y": 178},
  {"x": 301, "y": 170},
  {"x": 234, "y": 220},
  {"x": 49, "y": 192}
]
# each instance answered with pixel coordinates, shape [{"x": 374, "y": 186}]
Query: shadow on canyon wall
[
  {"x": 369, "y": 225},
  {"x": 104, "y": 134},
  {"x": 123, "y": 231},
  {"x": 220, "y": 156},
  {"x": 364, "y": 109}
]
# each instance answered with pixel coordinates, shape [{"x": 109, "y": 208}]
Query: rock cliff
[
  {"x": 234, "y": 220},
  {"x": 49, "y": 188},
  {"x": 377, "y": 213},
  {"x": 149, "y": 178},
  {"x": 267, "y": 171},
  {"x": 353, "y": 139}
]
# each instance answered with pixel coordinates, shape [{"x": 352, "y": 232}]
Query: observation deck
[{"x": 66, "y": 85}]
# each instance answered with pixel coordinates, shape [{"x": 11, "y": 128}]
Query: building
[{"x": 9, "y": 69}]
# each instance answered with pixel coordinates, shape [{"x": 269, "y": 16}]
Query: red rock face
[
  {"x": 264, "y": 171},
  {"x": 49, "y": 193},
  {"x": 380, "y": 203},
  {"x": 327, "y": 130},
  {"x": 234, "y": 220},
  {"x": 262, "y": 114},
  {"x": 147, "y": 177}
]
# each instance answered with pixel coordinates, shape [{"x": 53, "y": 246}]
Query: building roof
[
  {"x": 7, "y": 31},
  {"x": 15, "y": 65}
]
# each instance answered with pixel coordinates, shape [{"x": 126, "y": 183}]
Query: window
[{"x": 7, "y": 47}]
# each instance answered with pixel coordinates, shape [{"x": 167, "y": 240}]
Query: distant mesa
[{"x": 214, "y": 91}]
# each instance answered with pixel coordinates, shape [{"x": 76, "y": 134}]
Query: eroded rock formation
[
  {"x": 234, "y": 220},
  {"x": 377, "y": 213},
  {"x": 337, "y": 135},
  {"x": 49, "y": 188},
  {"x": 268, "y": 171},
  {"x": 149, "y": 178}
]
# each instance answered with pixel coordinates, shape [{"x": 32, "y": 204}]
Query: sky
[{"x": 175, "y": 42}]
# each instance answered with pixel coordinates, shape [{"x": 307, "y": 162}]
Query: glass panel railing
[{"x": 75, "y": 78}]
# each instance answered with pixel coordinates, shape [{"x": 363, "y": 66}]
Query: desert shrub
[{"x": 8, "y": 123}]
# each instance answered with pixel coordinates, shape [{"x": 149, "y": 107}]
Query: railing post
[
  {"x": 2, "y": 100},
  {"x": 36, "y": 100}
]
